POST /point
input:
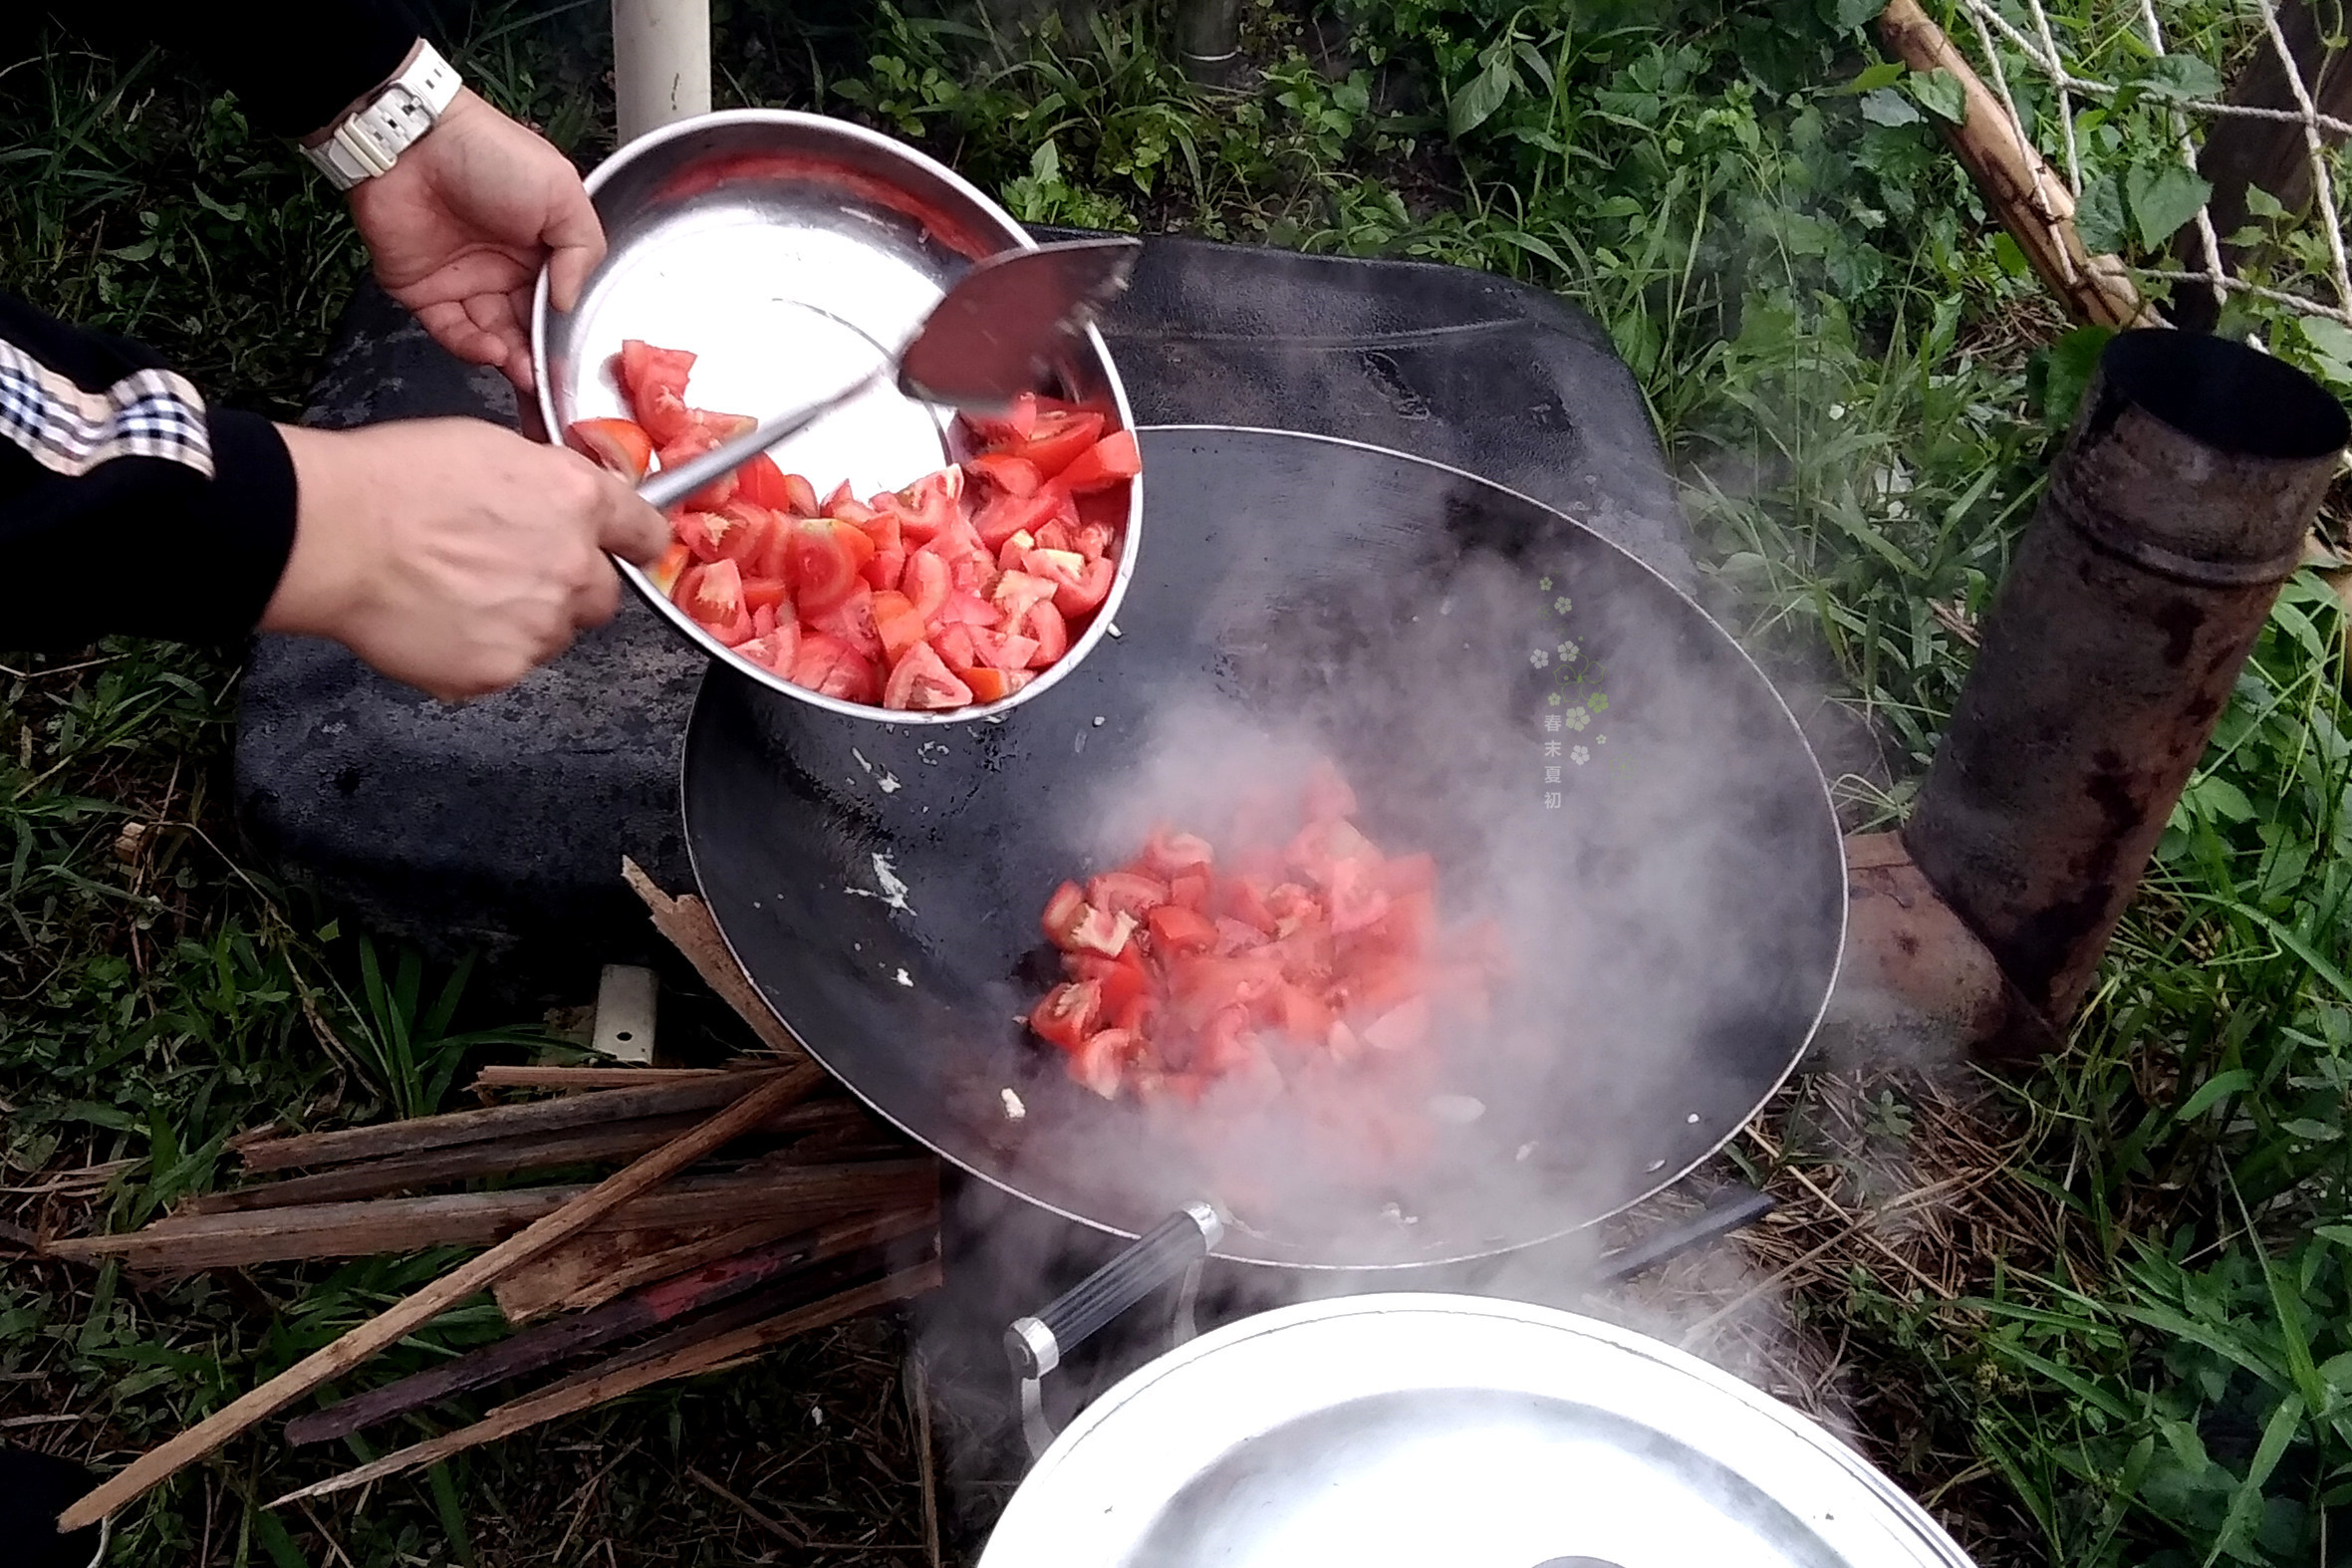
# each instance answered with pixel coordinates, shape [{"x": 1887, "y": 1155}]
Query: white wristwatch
[{"x": 370, "y": 139}]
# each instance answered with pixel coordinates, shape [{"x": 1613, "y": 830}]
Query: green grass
[{"x": 1858, "y": 388}]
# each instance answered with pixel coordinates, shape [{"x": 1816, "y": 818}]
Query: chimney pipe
[
  {"x": 2178, "y": 507},
  {"x": 1209, "y": 39}
]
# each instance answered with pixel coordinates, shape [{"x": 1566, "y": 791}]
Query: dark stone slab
[{"x": 501, "y": 823}]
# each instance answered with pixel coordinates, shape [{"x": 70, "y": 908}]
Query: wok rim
[{"x": 1666, "y": 1178}]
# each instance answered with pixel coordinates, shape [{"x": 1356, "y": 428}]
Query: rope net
[{"x": 2074, "y": 83}]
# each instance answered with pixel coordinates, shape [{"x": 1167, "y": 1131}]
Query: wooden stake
[
  {"x": 505, "y": 1120},
  {"x": 571, "y": 1080},
  {"x": 2028, "y": 197},
  {"x": 567, "y": 1338},
  {"x": 415, "y": 1311},
  {"x": 686, "y": 922},
  {"x": 582, "y": 1394},
  {"x": 382, "y": 1226}
]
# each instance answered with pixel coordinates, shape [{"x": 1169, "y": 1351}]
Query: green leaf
[
  {"x": 1847, "y": 15},
  {"x": 1476, "y": 104},
  {"x": 1940, "y": 94},
  {"x": 275, "y": 1541},
  {"x": 2164, "y": 196},
  {"x": 2099, "y": 215},
  {"x": 2180, "y": 77},
  {"x": 1885, "y": 73},
  {"x": 2330, "y": 342},
  {"x": 2067, "y": 371},
  {"x": 1886, "y": 107},
  {"x": 2247, "y": 1501},
  {"x": 2235, "y": 1081},
  {"x": 2341, "y": 1236}
]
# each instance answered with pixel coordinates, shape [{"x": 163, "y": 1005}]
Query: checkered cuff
[{"x": 147, "y": 414}]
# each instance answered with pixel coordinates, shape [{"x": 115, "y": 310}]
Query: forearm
[
  {"x": 295, "y": 64},
  {"x": 127, "y": 504}
]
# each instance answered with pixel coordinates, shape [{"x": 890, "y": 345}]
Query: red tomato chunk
[
  {"x": 962, "y": 588},
  {"x": 1299, "y": 948}
]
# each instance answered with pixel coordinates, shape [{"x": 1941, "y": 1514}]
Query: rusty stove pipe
[{"x": 2178, "y": 507}]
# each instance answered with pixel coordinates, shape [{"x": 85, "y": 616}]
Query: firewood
[
  {"x": 501, "y": 1120},
  {"x": 411, "y": 1312},
  {"x": 572, "y": 1079},
  {"x": 817, "y": 1127},
  {"x": 592, "y": 1269},
  {"x": 685, "y": 920},
  {"x": 390, "y": 1225},
  {"x": 579, "y": 1394},
  {"x": 640, "y": 1310}
]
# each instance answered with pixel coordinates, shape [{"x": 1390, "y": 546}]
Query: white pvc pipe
[{"x": 660, "y": 63}]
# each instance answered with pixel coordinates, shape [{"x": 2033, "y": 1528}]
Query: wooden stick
[
  {"x": 571, "y": 1080},
  {"x": 504, "y": 1121},
  {"x": 816, "y": 1126},
  {"x": 686, "y": 922},
  {"x": 649, "y": 1308},
  {"x": 2030, "y": 201},
  {"x": 384, "y": 1227},
  {"x": 582, "y": 1394},
  {"x": 412, "y": 1312}
]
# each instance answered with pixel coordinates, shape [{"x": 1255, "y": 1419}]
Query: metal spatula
[{"x": 983, "y": 343}]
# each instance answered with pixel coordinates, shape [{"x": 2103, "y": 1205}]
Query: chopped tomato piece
[
  {"x": 713, "y": 595},
  {"x": 1303, "y": 1015},
  {"x": 1408, "y": 874},
  {"x": 1052, "y": 633},
  {"x": 966, "y": 609},
  {"x": 765, "y": 593},
  {"x": 1101, "y": 1063},
  {"x": 1068, "y": 1014},
  {"x": 1126, "y": 893},
  {"x": 1170, "y": 854},
  {"x": 897, "y": 623},
  {"x": 1103, "y": 931},
  {"x": 1001, "y": 516},
  {"x": 955, "y": 645},
  {"x": 926, "y": 582},
  {"x": 655, "y": 382},
  {"x": 666, "y": 571},
  {"x": 1063, "y": 911},
  {"x": 1111, "y": 459},
  {"x": 762, "y": 483},
  {"x": 852, "y": 621},
  {"x": 988, "y": 685},
  {"x": 619, "y": 444},
  {"x": 775, "y": 650},
  {"x": 1013, "y": 475},
  {"x": 922, "y": 680},
  {"x": 1190, "y": 890},
  {"x": 1080, "y": 585},
  {"x": 1008, "y": 556},
  {"x": 826, "y": 557},
  {"x": 1011, "y": 426},
  {"x": 1356, "y": 900},
  {"x": 1180, "y": 929},
  {"x": 830, "y": 667},
  {"x": 931, "y": 504},
  {"x": 1058, "y": 438},
  {"x": 743, "y": 531},
  {"x": 688, "y": 445}
]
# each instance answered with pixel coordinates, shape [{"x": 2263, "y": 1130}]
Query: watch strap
[{"x": 369, "y": 141}]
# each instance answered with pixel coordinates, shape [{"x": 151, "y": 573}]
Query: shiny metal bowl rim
[
  {"x": 1020, "y": 238},
  {"x": 1193, "y": 1374}
]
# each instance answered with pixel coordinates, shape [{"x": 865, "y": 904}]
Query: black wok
[{"x": 1675, "y": 899}]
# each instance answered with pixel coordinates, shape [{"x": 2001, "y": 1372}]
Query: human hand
[
  {"x": 451, "y": 554},
  {"x": 459, "y": 225}
]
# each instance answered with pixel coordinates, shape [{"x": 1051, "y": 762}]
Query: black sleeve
[
  {"x": 125, "y": 504},
  {"x": 293, "y": 64}
]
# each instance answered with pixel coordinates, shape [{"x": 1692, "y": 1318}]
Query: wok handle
[
  {"x": 1035, "y": 1344},
  {"x": 1734, "y": 1207}
]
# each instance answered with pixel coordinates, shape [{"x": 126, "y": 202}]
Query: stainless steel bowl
[
  {"x": 790, "y": 252},
  {"x": 1405, "y": 1431}
]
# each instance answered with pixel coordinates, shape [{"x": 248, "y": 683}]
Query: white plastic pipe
[{"x": 660, "y": 63}]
